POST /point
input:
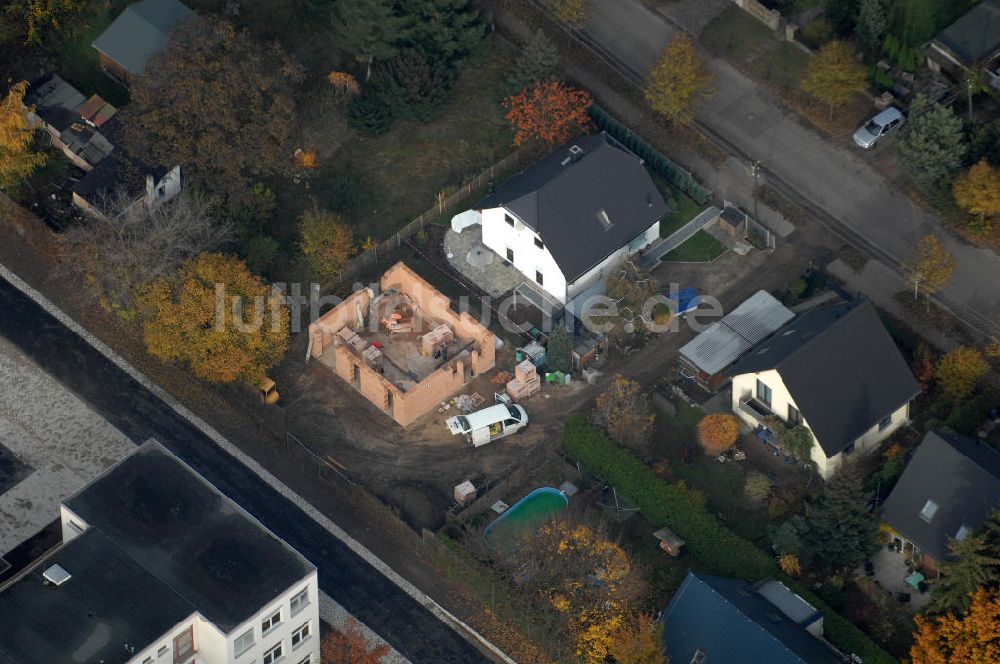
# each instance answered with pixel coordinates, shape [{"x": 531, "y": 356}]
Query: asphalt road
[
  {"x": 351, "y": 581},
  {"x": 830, "y": 175}
]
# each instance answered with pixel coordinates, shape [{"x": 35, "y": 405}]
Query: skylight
[
  {"x": 929, "y": 510},
  {"x": 963, "y": 532},
  {"x": 602, "y": 216}
]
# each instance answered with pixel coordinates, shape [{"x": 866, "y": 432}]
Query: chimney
[{"x": 150, "y": 190}]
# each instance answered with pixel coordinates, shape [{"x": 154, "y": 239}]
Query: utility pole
[{"x": 754, "y": 171}]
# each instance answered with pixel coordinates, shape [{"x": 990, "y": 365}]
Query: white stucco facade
[
  {"x": 515, "y": 242},
  {"x": 296, "y": 608},
  {"x": 745, "y": 387}
]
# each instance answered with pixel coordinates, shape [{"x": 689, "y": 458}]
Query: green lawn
[
  {"x": 76, "y": 59},
  {"x": 700, "y": 248},
  {"x": 722, "y": 483}
]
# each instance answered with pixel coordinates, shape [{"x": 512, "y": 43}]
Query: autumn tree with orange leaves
[
  {"x": 550, "y": 112},
  {"x": 216, "y": 317},
  {"x": 18, "y": 159},
  {"x": 349, "y": 646},
  {"x": 718, "y": 432},
  {"x": 638, "y": 642},
  {"x": 973, "y": 638}
]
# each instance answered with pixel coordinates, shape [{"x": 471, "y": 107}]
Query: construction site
[{"x": 404, "y": 348}]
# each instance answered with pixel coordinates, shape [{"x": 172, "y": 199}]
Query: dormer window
[
  {"x": 509, "y": 219},
  {"x": 929, "y": 510}
]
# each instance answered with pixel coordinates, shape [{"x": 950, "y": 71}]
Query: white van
[
  {"x": 880, "y": 125},
  {"x": 486, "y": 425}
]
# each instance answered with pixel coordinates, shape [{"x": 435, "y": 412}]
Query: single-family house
[
  {"x": 945, "y": 493},
  {"x": 139, "y": 32},
  {"x": 834, "y": 370},
  {"x": 971, "y": 41},
  {"x": 717, "y": 619},
  {"x": 71, "y": 122},
  {"x": 705, "y": 358},
  {"x": 568, "y": 220}
]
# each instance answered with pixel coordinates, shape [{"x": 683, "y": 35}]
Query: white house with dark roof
[
  {"x": 834, "y": 370},
  {"x": 945, "y": 493},
  {"x": 568, "y": 220},
  {"x": 158, "y": 567}
]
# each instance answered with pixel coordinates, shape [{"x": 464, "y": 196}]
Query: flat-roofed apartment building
[{"x": 158, "y": 567}]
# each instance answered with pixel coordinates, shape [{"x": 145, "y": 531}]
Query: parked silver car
[{"x": 880, "y": 125}]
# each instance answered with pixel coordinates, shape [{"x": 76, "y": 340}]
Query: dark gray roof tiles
[
  {"x": 841, "y": 367},
  {"x": 959, "y": 475},
  {"x": 587, "y": 199},
  {"x": 976, "y": 35}
]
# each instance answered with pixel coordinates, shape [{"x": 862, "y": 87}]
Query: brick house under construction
[{"x": 405, "y": 349}]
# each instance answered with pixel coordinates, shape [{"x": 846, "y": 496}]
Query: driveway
[{"x": 827, "y": 175}]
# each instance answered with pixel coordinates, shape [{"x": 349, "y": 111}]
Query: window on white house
[
  {"x": 162, "y": 651},
  {"x": 300, "y": 601},
  {"x": 272, "y": 655},
  {"x": 884, "y": 423},
  {"x": 161, "y": 191},
  {"x": 300, "y": 635},
  {"x": 763, "y": 393},
  {"x": 510, "y": 254},
  {"x": 929, "y": 510},
  {"x": 509, "y": 219},
  {"x": 270, "y": 623},
  {"x": 539, "y": 243},
  {"x": 794, "y": 416},
  {"x": 184, "y": 646},
  {"x": 243, "y": 642},
  {"x": 849, "y": 449},
  {"x": 306, "y": 659},
  {"x": 539, "y": 277},
  {"x": 148, "y": 660}
]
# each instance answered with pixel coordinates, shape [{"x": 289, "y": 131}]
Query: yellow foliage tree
[
  {"x": 977, "y": 191},
  {"x": 973, "y": 638},
  {"x": 17, "y": 159},
  {"x": 344, "y": 83},
  {"x": 959, "y": 370},
  {"x": 834, "y": 75},
  {"x": 638, "y": 642},
  {"x": 573, "y": 12},
  {"x": 39, "y": 14},
  {"x": 679, "y": 81},
  {"x": 931, "y": 269},
  {"x": 327, "y": 243},
  {"x": 789, "y": 564},
  {"x": 306, "y": 159},
  {"x": 192, "y": 318},
  {"x": 718, "y": 432}
]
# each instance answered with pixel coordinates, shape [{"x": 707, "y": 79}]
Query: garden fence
[
  {"x": 676, "y": 175},
  {"x": 444, "y": 205}
]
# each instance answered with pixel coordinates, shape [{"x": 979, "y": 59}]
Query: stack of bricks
[{"x": 525, "y": 382}]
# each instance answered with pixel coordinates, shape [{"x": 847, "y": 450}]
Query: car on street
[{"x": 880, "y": 125}]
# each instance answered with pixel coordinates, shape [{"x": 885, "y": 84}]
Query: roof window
[{"x": 929, "y": 510}]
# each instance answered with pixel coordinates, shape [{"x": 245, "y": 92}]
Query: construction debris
[{"x": 465, "y": 493}]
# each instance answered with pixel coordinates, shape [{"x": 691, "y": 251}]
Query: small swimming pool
[{"x": 539, "y": 505}]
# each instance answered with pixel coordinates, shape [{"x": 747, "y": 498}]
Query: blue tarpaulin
[{"x": 685, "y": 300}]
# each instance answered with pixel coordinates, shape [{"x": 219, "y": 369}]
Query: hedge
[
  {"x": 679, "y": 177},
  {"x": 708, "y": 539}
]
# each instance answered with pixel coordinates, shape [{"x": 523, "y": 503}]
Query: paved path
[
  {"x": 827, "y": 174},
  {"x": 353, "y": 577}
]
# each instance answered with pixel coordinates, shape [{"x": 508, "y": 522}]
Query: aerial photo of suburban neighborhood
[{"x": 500, "y": 331}]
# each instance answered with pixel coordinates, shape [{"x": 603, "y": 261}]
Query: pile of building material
[
  {"x": 350, "y": 338},
  {"x": 526, "y": 381},
  {"x": 436, "y": 340},
  {"x": 373, "y": 356}
]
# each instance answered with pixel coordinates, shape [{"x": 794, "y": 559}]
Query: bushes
[{"x": 721, "y": 550}]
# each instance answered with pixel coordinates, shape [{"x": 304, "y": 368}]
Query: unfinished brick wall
[{"x": 406, "y": 406}]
